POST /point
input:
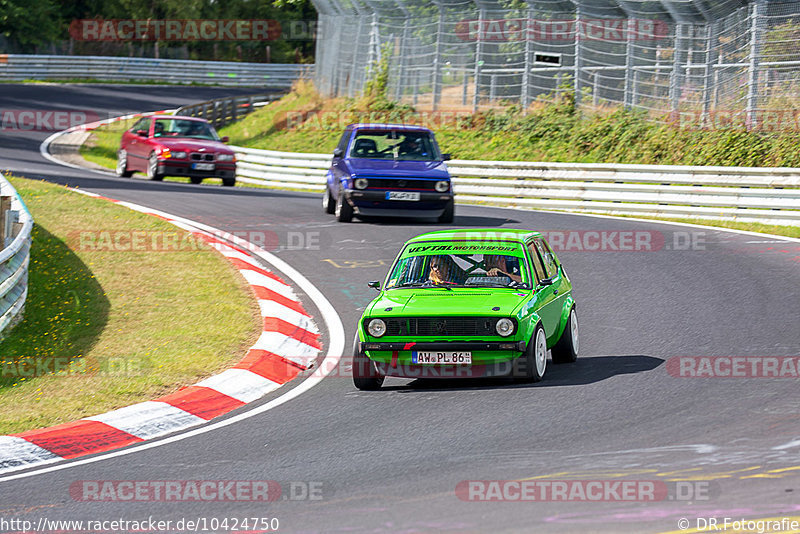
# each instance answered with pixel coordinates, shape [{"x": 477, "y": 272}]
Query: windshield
[
  {"x": 184, "y": 128},
  {"x": 394, "y": 144},
  {"x": 459, "y": 270}
]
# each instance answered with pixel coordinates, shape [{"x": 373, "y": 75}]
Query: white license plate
[
  {"x": 440, "y": 357},
  {"x": 203, "y": 166},
  {"x": 402, "y": 195}
]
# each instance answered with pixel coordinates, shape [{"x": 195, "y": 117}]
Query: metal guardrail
[
  {"x": 41, "y": 67},
  {"x": 748, "y": 194},
  {"x": 15, "y": 255},
  {"x": 222, "y": 111}
]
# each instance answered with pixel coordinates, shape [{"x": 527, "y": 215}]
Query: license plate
[
  {"x": 402, "y": 195},
  {"x": 440, "y": 357},
  {"x": 203, "y": 166}
]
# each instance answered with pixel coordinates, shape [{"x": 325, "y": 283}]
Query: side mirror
[
  {"x": 141, "y": 133},
  {"x": 225, "y": 139},
  {"x": 337, "y": 152},
  {"x": 376, "y": 285},
  {"x": 447, "y": 157}
]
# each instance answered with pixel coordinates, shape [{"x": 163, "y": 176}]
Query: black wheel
[
  {"x": 344, "y": 211},
  {"x": 534, "y": 360},
  {"x": 449, "y": 213},
  {"x": 365, "y": 375},
  {"x": 228, "y": 182},
  {"x": 328, "y": 204},
  {"x": 196, "y": 179},
  {"x": 152, "y": 168},
  {"x": 122, "y": 165},
  {"x": 566, "y": 349}
]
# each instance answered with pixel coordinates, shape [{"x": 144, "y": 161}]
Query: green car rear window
[{"x": 476, "y": 264}]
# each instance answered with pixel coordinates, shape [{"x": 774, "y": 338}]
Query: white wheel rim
[
  {"x": 573, "y": 321},
  {"x": 325, "y": 199},
  {"x": 121, "y": 162},
  {"x": 541, "y": 352},
  {"x": 153, "y": 166}
]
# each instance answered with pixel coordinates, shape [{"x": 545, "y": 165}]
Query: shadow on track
[
  {"x": 460, "y": 221},
  {"x": 584, "y": 371}
]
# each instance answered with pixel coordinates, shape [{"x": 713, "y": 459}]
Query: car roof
[
  {"x": 199, "y": 119},
  {"x": 477, "y": 234},
  {"x": 387, "y": 126}
]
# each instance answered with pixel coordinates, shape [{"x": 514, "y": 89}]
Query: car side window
[
  {"x": 343, "y": 141},
  {"x": 538, "y": 268},
  {"x": 548, "y": 258},
  {"x": 141, "y": 124}
]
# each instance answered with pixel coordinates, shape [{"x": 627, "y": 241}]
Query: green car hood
[{"x": 442, "y": 302}]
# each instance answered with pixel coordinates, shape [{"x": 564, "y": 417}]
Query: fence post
[
  {"x": 708, "y": 74},
  {"x": 437, "y": 61},
  {"x": 756, "y": 37},
  {"x": 578, "y": 55},
  {"x": 630, "y": 74},
  {"x": 676, "y": 79},
  {"x": 478, "y": 60},
  {"x": 525, "y": 89}
]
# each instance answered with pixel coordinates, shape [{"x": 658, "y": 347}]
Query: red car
[{"x": 171, "y": 145}]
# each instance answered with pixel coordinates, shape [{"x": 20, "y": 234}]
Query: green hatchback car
[{"x": 468, "y": 303}]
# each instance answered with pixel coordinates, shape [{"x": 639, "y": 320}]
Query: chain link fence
[{"x": 709, "y": 61}]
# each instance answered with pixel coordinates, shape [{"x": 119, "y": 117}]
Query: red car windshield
[{"x": 184, "y": 128}]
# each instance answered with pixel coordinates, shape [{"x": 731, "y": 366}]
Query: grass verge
[
  {"x": 105, "y": 325},
  {"x": 303, "y": 121}
]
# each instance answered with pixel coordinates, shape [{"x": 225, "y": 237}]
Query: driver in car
[
  {"x": 411, "y": 146},
  {"x": 499, "y": 265}
]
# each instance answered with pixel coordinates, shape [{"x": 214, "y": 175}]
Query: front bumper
[
  {"x": 373, "y": 202},
  {"x": 489, "y": 358},
  {"x": 184, "y": 168},
  {"x": 518, "y": 346}
]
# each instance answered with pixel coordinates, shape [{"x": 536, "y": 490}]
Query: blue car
[{"x": 388, "y": 170}]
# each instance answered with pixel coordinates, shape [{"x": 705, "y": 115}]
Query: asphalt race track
[{"x": 390, "y": 461}]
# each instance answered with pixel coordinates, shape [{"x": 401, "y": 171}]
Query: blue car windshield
[{"x": 395, "y": 145}]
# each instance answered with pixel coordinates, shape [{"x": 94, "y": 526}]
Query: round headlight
[
  {"x": 376, "y": 327},
  {"x": 361, "y": 183},
  {"x": 443, "y": 186},
  {"x": 504, "y": 327}
]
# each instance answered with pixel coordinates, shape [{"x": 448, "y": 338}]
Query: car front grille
[
  {"x": 401, "y": 183},
  {"x": 198, "y": 156},
  {"x": 441, "y": 326}
]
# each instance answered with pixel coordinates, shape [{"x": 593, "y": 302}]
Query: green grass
[
  {"x": 551, "y": 131},
  {"x": 105, "y": 328}
]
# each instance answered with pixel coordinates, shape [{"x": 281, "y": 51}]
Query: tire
[
  {"x": 122, "y": 165},
  {"x": 196, "y": 179},
  {"x": 449, "y": 213},
  {"x": 152, "y": 168},
  {"x": 344, "y": 211},
  {"x": 328, "y": 204},
  {"x": 228, "y": 182},
  {"x": 535, "y": 358},
  {"x": 566, "y": 349},
  {"x": 365, "y": 375}
]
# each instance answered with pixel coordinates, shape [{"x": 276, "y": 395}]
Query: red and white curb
[{"x": 287, "y": 346}]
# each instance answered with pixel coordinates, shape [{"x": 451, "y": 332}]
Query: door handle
[{"x": 555, "y": 292}]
